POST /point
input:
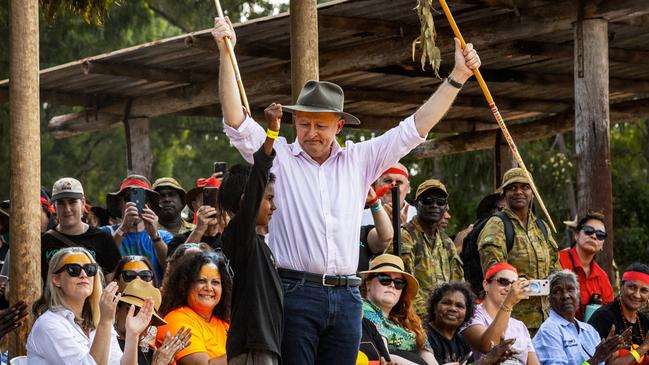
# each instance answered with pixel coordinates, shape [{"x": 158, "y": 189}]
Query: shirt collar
[{"x": 562, "y": 321}]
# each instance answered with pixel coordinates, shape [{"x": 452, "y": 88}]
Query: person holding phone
[
  {"x": 138, "y": 233},
  {"x": 492, "y": 319}
]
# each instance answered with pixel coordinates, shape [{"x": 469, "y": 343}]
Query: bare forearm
[
  {"x": 195, "y": 236},
  {"x": 495, "y": 331},
  {"x": 221, "y": 360},
  {"x": 229, "y": 96},
  {"x": 380, "y": 237},
  {"x": 129, "y": 356},
  {"x": 436, "y": 107},
  {"x": 161, "y": 251},
  {"x": 101, "y": 343}
]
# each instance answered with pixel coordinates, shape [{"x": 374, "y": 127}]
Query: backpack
[{"x": 470, "y": 255}]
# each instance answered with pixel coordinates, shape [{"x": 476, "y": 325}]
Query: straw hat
[
  {"x": 387, "y": 263},
  {"x": 138, "y": 290}
]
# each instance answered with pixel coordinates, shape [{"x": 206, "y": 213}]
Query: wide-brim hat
[
  {"x": 210, "y": 182},
  {"x": 131, "y": 181},
  {"x": 169, "y": 182},
  {"x": 321, "y": 97},
  {"x": 430, "y": 184},
  {"x": 101, "y": 213},
  {"x": 387, "y": 263},
  {"x": 138, "y": 290},
  {"x": 513, "y": 175},
  {"x": 486, "y": 204}
]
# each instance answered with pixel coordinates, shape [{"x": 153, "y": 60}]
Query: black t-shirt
[
  {"x": 213, "y": 241},
  {"x": 257, "y": 298},
  {"x": 365, "y": 254},
  {"x": 446, "y": 350},
  {"x": 372, "y": 343},
  {"x": 143, "y": 358},
  {"x": 610, "y": 314},
  {"x": 100, "y": 244}
]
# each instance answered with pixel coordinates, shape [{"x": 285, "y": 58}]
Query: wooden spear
[
  {"x": 499, "y": 118},
  {"x": 233, "y": 60}
]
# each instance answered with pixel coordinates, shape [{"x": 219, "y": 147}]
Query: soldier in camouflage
[
  {"x": 532, "y": 254},
  {"x": 427, "y": 252}
]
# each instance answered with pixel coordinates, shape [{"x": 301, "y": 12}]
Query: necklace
[{"x": 627, "y": 324}]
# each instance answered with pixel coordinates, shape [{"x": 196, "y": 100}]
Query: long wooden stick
[
  {"x": 499, "y": 118},
  {"x": 233, "y": 60}
]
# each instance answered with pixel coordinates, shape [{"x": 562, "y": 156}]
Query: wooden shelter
[{"x": 535, "y": 54}]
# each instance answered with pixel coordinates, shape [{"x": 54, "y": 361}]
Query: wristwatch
[{"x": 455, "y": 84}]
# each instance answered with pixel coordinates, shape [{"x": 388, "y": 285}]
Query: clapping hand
[
  {"x": 164, "y": 354},
  {"x": 12, "y": 317}
]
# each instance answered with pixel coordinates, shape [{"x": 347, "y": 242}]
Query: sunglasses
[
  {"x": 599, "y": 234},
  {"x": 386, "y": 280},
  {"x": 503, "y": 282},
  {"x": 429, "y": 200},
  {"x": 130, "y": 275},
  {"x": 74, "y": 270}
]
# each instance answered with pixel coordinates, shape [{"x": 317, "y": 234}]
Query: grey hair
[{"x": 564, "y": 274}]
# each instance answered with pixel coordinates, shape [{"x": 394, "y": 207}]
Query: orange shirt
[{"x": 206, "y": 337}]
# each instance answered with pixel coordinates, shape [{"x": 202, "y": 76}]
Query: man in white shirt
[{"x": 320, "y": 191}]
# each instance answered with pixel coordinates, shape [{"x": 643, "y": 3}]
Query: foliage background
[{"x": 186, "y": 147}]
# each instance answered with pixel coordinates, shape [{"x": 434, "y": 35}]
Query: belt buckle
[{"x": 324, "y": 280}]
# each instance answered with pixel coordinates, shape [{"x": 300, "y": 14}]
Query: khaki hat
[
  {"x": 391, "y": 263},
  {"x": 430, "y": 184},
  {"x": 319, "y": 97},
  {"x": 169, "y": 182},
  {"x": 514, "y": 175},
  {"x": 137, "y": 291},
  {"x": 67, "y": 188}
]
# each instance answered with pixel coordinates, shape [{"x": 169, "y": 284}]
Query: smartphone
[
  {"x": 220, "y": 167},
  {"x": 539, "y": 288},
  {"x": 210, "y": 196},
  {"x": 137, "y": 196}
]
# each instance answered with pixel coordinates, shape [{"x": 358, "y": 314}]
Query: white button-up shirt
[
  {"x": 56, "y": 339},
  {"x": 318, "y": 217}
]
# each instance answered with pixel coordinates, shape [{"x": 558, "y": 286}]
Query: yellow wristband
[
  {"x": 635, "y": 355},
  {"x": 272, "y": 134}
]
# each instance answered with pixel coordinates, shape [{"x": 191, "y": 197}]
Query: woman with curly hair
[
  {"x": 388, "y": 291},
  {"x": 450, "y": 306},
  {"x": 197, "y": 296}
]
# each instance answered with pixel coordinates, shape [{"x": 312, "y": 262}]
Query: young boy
[{"x": 257, "y": 315}]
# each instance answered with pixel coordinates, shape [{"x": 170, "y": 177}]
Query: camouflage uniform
[
  {"x": 432, "y": 263},
  {"x": 532, "y": 255}
]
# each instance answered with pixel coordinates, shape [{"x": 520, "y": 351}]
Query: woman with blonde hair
[{"x": 75, "y": 316}]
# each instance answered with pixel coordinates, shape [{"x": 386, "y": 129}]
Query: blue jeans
[{"x": 322, "y": 325}]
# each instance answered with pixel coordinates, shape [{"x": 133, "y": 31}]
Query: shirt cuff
[
  {"x": 410, "y": 133},
  {"x": 263, "y": 160},
  {"x": 242, "y": 132}
]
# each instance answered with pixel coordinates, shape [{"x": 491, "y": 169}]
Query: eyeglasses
[
  {"x": 386, "y": 280},
  {"x": 429, "y": 200},
  {"x": 130, "y": 275},
  {"x": 599, "y": 234},
  {"x": 74, "y": 270},
  {"x": 503, "y": 282}
]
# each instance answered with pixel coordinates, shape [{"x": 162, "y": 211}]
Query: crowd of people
[{"x": 290, "y": 259}]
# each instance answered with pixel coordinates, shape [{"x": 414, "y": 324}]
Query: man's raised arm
[
  {"x": 434, "y": 109},
  {"x": 229, "y": 97}
]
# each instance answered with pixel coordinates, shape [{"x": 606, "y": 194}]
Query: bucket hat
[
  {"x": 169, "y": 182},
  {"x": 430, "y": 184},
  {"x": 387, "y": 263},
  {"x": 319, "y": 97},
  {"x": 131, "y": 181},
  {"x": 137, "y": 291}
]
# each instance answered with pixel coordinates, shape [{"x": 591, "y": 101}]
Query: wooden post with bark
[
  {"x": 139, "y": 159},
  {"x": 304, "y": 44},
  {"x": 592, "y": 124},
  {"x": 25, "y": 155}
]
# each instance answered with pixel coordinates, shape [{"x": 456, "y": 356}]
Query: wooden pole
[
  {"x": 139, "y": 158},
  {"x": 25, "y": 155},
  {"x": 304, "y": 44},
  {"x": 592, "y": 124},
  {"x": 504, "y": 160}
]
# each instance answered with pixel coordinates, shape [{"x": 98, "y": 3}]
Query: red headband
[
  {"x": 496, "y": 268},
  {"x": 210, "y": 182},
  {"x": 47, "y": 205},
  {"x": 636, "y": 275},
  {"x": 395, "y": 170},
  {"x": 131, "y": 183}
]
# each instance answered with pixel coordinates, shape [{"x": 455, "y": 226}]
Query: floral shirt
[{"x": 398, "y": 338}]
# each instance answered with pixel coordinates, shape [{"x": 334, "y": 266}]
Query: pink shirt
[{"x": 318, "y": 217}]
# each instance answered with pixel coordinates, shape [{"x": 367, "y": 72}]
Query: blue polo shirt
[{"x": 560, "y": 342}]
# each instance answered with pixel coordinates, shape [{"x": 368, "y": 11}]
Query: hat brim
[
  {"x": 484, "y": 207},
  {"x": 431, "y": 188},
  {"x": 349, "y": 119},
  {"x": 518, "y": 179},
  {"x": 156, "y": 320},
  {"x": 191, "y": 196},
  {"x": 67, "y": 195},
  {"x": 413, "y": 285},
  {"x": 112, "y": 200}
]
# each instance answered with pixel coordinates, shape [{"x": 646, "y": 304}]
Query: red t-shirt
[{"x": 596, "y": 282}]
